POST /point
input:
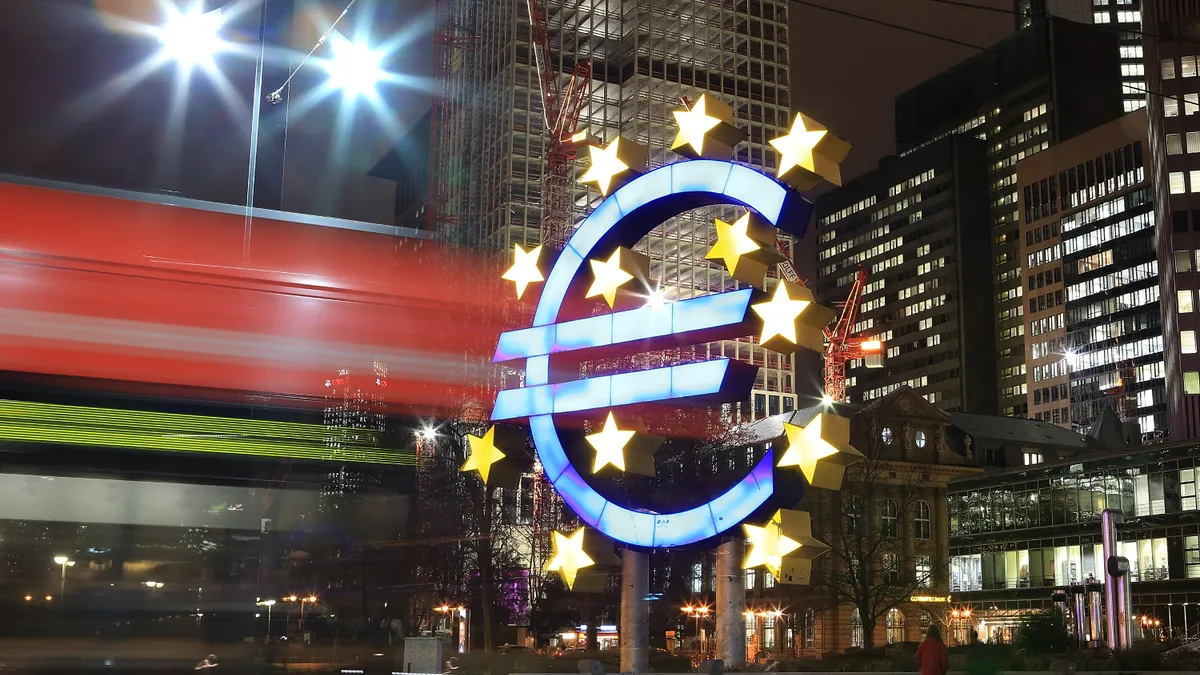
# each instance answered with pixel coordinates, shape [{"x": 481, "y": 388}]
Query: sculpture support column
[
  {"x": 635, "y": 611},
  {"x": 731, "y": 603},
  {"x": 1117, "y": 599}
]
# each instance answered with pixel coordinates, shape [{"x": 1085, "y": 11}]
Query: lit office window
[
  {"x": 1187, "y": 341},
  {"x": 1187, "y": 490},
  {"x": 1191, "y": 104},
  {"x": 1100, "y": 17},
  {"x": 1185, "y": 301},
  {"x": 1174, "y": 144},
  {"x": 1191, "y": 382},
  {"x": 1170, "y": 106},
  {"x": 1183, "y": 261},
  {"x": 1193, "y": 141},
  {"x": 1194, "y": 179},
  {"x": 1177, "y": 183},
  {"x": 1187, "y": 66},
  {"x": 1168, "y": 69}
]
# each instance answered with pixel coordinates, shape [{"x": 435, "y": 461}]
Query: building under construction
[{"x": 508, "y": 98}]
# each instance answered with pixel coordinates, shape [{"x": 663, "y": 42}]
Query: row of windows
[
  {"x": 1043, "y": 256},
  {"x": 1102, "y": 235},
  {"x": 1056, "y": 416},
  {"x": 1049, "y": 371},
  {"x": 863, "y": 238},
  {"x": 1117, "y": 353},
  {"x": 1037, "y": 235},
  {"x": 1191, "y": 105},
  {"x": 1085, "y": 182},
  {"x": 1047, "y": 301},
  {"x": 1050, "y": 394},
  {"x": 1041, "y": 279},
  {"x": 910, "y": 183},
  {"x": 849, "y": 210},
  {"x": 1187, "y": 67},
  {"x": 1129, "y": 16},
  {"x": 1052, "y": 347},
  {"x": 1115, "y": 279},
  {"x": 1105, "y": 210},
  {"x": 1045, "y": 325},
  {"x": 1102, "y": 307}
]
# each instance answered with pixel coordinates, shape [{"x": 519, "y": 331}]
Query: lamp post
[
  {"x": 698, "y": 612},
  {"x": 268, "y": 604},
  {"x": 312, "y": 599},
  {"x": 193, "y": 37},
  {"x": 64, "y": 562}
]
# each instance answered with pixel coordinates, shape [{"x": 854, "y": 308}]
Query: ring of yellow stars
[
  {"x": 821, "y": 449},
  {"x": 796, "y": 149},
  {"x": 610, "y": 444},
  {"x": 733, "y": 242},
  {"x": 694, "y": 125},
  {"x": 484, "y": 454},
  {"x": 779, "y": 315},
  {"x": 524, "y": 270},
  {"x": 608, "y": 277},
  {"x": 569, "y": 557},
  {"x": 605, "y": 165},
  {"x": 768, "y": 546}
]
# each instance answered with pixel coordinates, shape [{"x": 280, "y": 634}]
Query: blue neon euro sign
[{"x": 623, "y": 219}]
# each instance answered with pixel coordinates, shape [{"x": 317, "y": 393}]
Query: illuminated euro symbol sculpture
[{"x": 597, "y": 255}]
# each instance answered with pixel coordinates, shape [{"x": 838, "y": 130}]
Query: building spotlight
[
  {"x": 193, "y": 36},
  {"x": 428, "y": 433},
  {"x": 826, "y": 400},
  {"x": 354, "y": 68}
]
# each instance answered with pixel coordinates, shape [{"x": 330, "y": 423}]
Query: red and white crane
[
  {"x": 841, "y": 346},
  {"x": 561, "y": 108}
]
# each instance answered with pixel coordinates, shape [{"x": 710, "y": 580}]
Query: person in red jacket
[{"x": 932, "y": 656}]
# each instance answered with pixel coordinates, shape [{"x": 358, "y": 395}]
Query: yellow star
[
  {"x": 524, "y": 270},
  {"x": 605, "y": 165},
  {"x": 610, "y": 445},
  {"x": 693, "y": 124},
  {"x": 768, "y": 546},
  {"x": 484, "y": 454},
  {"x": 732, "y": 242},
  {"x": 569, "y": 557},
  {"x": 796, "y": 149},
  {"x": 821, "y": 449},
  {"x": 779, "y": 315},
  {"x": 608, "y": 277}
]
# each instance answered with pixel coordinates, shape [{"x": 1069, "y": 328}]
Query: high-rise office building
[
  {"x": 1172, "y": 32},
  {"x": 1093, "y": 326},
  {"x": 1035, "y": 88},
  {"x": 1122, "y": 17},
  {"x": 918, "y": 225},
  {"x": 646, "y": 56}
]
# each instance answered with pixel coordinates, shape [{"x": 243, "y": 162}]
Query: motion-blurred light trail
[
  {"x": 127, "y": 290},
  {"x": 23, "y": 421}
]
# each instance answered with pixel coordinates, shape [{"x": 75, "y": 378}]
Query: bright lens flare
[
  {"x": 192, "y": 37},
  {"x": 355, "y": 67}
]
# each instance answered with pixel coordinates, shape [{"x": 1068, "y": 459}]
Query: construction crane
[
  {"x": 561, "y": 108},
  {"x": 841, "y": 346}
]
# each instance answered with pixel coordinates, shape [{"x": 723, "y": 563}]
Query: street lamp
[
  {"x": 64, "y": 562},
  {"x": 698, "y": 612},
  {"x": 268, "y": 604},
  {"x": 312, "y": 599},
  {"x": 192, "y": 36}
]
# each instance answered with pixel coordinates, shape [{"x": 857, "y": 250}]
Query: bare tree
[{"x": 872, "y": 562}]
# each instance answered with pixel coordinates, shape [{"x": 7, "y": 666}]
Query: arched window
[
  {"x": 895, "y": 626},
  {"x": 889, "y": 519},
  {"x": 926, "y": 622},
  {"x": 856, "y": 629},
  {"x": 886, "y": 435},
  {"x": 919, "y": 438},
  {"x": 923, "y": 521},
  {"x": 810, "y": 629}
]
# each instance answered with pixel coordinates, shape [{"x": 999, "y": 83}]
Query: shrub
[{"x": 1045, "y": 633}]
